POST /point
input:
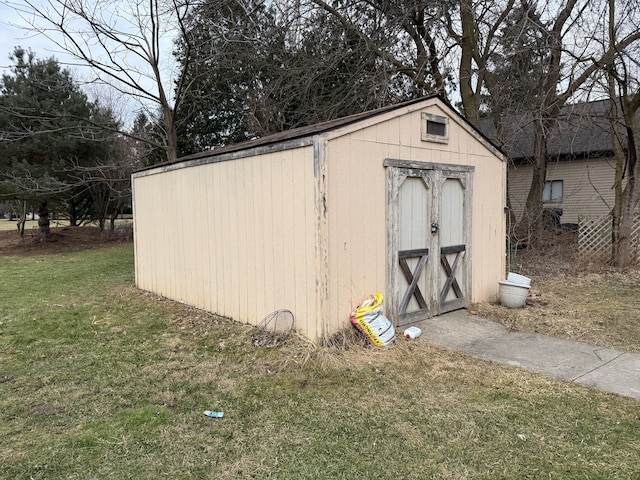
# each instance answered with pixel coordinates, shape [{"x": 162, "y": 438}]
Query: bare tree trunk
[
  {"x": 44, "y": 231},
  {"x": 114, "y": 216},
  {"x": 616, "y": 213},
  {"x": 468, "y": 44},
  {"x": 626, "y": 199},
  {"x": 73, "y": 217},
  {"x": 531, "y": 227},
  {"x": 548, "y": 111},
  {"x": 621, "y": 244},
  {"x": 618, "y": 248},
  {"x": 21, "y": 211},
  {"x": 171, "y": 134},
  {"x": 628, "y": 203}
]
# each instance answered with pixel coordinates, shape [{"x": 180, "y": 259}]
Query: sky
[
  {"x": 15, "y": 31},
  {"x": 12, "y": 35}
]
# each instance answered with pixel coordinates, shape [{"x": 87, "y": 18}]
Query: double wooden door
[{"x": 429, "y": 227}]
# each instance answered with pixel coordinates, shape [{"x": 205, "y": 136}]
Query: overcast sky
[
  {"x": 14, "y": 31},
  {"x": 12, "y": 35}
]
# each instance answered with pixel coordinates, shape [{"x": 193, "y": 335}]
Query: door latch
[{"x": 434, "y": 228}]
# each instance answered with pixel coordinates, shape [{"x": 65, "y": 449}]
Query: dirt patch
[{"x": 63, "y": 239}]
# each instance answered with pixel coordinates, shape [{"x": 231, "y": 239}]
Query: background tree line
[
  {"x": 60, "y": 153},
  {"x": 247, "y": 68}
]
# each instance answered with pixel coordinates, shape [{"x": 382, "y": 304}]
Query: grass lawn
[
  {"x": 101, "y": 381},
  {"x": 30, "y": 225},
  {"x": 11, "y": 225}
]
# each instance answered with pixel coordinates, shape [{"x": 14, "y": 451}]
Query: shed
[{"x": 406, "y": 200}]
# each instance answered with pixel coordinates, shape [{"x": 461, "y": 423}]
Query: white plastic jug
[{"x": 412, "y": 332}]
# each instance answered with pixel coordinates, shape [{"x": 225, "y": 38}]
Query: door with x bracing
[{"x": 429, "y": 225}]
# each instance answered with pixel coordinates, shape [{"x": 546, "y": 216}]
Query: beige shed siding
[
  {"x": 235, "y": 237},
  {"x": 356, "y": 210},
  {"x": 587, "y": 186},
  {"x": 356, "y": 201},
  {"x": 304, "y": 228}
]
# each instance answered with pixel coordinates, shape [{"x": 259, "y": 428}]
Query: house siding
[{"x": 587, "y": 187}]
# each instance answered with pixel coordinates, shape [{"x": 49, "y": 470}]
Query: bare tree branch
[{"x": 121, "y": 44}]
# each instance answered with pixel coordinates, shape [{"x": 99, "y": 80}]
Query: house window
[
  {"x": 553, "y": 191},
  {"x": 435, "y": 128}
]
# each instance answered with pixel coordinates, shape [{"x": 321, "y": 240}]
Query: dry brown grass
[{"x": 100, "y": 380}]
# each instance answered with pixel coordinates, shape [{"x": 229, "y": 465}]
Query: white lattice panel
[{"x": 594, "y": 238}]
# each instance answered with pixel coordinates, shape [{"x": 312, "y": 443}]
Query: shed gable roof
[{"x": 308, "y": 132}]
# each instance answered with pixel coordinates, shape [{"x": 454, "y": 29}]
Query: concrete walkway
[{"x": 600, "y": 367}]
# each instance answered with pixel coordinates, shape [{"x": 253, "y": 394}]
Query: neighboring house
[
  {"x": 406, "y": 200},
  {"x": 581, "y": 167}
]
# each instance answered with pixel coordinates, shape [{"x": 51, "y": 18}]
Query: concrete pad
[
  {"x": 621, "y": 375},
  {"x": 543, "y": 354},
  {"x": 459, "y": 328},
  {"x": 607, "y": 369}
]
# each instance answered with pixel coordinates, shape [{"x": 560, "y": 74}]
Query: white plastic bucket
[
  {"x": 519, "y": 279},
  {"x": 513, "y": 295}
]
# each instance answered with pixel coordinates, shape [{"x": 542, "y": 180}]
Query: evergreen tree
[{"x": 49, "y": 130}]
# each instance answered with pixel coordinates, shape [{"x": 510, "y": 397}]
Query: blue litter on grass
[{"x": 211, "y": 414}]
